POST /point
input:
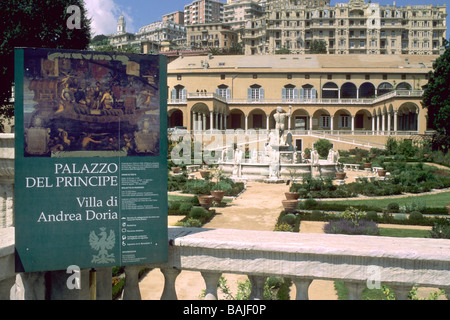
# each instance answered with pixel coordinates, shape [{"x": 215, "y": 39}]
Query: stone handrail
[
  {"x": 350, "y": 101},
  {"x": 358, "y": 261}
]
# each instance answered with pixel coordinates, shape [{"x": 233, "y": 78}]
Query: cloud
[{"x": 104, "y": 15}]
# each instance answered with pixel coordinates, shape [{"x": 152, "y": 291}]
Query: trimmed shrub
[
  {"x": 198, "y": 213},
  {"x": 323, "y": 146},
  {"x": 194, "y": 201},
  {"x": 371, "y": 215},
  {"x": 310, "y": 203},
  {"x": 415, "y": 215},
  {"x": 192, "y": 223},
  {"x": 317, "y": 214},
  {"x": 393, "y": 207},
  {"x": 174, "y": 205},
  {"x": 289, "y": 219},
  {"x": 185, "y": 207},
  {"x": 197, "y": 186},
  {"x": 400, "y": 217}
]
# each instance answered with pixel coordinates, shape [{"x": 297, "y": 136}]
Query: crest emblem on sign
[{"x": 102, "y": 242}]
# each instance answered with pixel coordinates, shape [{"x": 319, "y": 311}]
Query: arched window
[
  {"x": 330, "y": 91},
  {"x": 367, "y": 90},
  {"x": 384, "y": 88},
  {"x": 403, "y": 86},
  {"x": 348, "y": 91}
]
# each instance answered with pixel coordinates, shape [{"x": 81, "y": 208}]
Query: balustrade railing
[
  {"x": 355, "y": 101},
  {"x": 358, "y": 261}
]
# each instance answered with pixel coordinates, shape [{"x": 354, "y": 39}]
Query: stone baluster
[
  {"x": 169, "y": 291},
  {"x": 355, "y": 290},
  {"x": 257, "y": 283},
  {"x": 302, "y": 287},
  {"x": 104, "y": 288},
  {"x": 211, "y": 281},
  {"x": 131, "y": 289},
  {"x": 401, "y": 291},
  {"x": 29, "y": 286}
]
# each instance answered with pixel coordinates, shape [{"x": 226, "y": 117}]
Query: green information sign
[{"x": 91, "y": 159}]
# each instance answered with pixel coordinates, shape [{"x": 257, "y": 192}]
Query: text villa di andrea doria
[{"x": 78, "y": 176}]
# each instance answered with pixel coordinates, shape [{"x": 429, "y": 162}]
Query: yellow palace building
[{"x": 352, "y": 100}]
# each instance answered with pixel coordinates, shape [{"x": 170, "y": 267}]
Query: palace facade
[{"x": 359, "y": 98}]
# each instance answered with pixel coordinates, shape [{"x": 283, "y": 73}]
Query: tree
[
  {"x": 436, "y": 98},
  {"x": 36, "y": 24},
  {"x": 323, "y": 147},
  {"x": 318, "y": 47},
  {"x": 283, "y": 50}
]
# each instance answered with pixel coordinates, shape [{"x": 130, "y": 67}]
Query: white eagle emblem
[{"x": 101, "y": 243}]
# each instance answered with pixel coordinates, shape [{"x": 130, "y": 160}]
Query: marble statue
[
  {"x": 314, "y": 157},
  {"x": 280, "y": 117}
]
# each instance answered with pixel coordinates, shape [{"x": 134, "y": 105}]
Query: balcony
[{"x": 355, "y": 101}]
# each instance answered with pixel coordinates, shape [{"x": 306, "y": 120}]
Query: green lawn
[
  {"x": 404, "y": 233},
  {"x": 431, "y": 200}
]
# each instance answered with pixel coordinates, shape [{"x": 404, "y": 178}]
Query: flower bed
[{"x": 405, "y": 178}]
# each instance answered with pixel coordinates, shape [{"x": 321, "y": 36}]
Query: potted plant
[
  {"x": 290, "y": 205},
  {"x": 367, "y": 163},
  {"x": 205, "y": 201},
  {"x": 340, "y": 175},
  {"x": 292, "y": 194},
  {"x": 216, "y": 192},
  {"x": 176, "y": 169},
  {"x": 205, "y": 174},
  {"x": 382, "y": 172}
]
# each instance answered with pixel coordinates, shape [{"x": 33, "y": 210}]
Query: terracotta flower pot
[
  {"x": 292, "y": 195},
  {"x": 290, "y": 205},
  {"x": 205, "y": 174},
  {"x": 176, "y": 169},
  {"x": 340, "y": 175},
  {"x": 382, "y": 172},
  {"x": 367, "y": 165},
  {"x": 205, "y": 201},
  {"x": 218, "y": 195}
]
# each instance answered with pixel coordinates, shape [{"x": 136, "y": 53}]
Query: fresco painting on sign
[{"x": 83, "y": 105}]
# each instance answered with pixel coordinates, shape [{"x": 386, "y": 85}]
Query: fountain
[{"x": 279, "y": 160}]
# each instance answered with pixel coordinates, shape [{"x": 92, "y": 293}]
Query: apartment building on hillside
[
  {"x": 203, "y": 11},
  {"x": 238, "y": 12},
  {"x": 355, "y": 27}
]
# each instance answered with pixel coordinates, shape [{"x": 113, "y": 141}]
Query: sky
[{"x": 138, "y": 13}]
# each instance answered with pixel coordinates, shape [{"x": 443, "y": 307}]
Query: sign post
[{"x": 91, "y": 159}]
